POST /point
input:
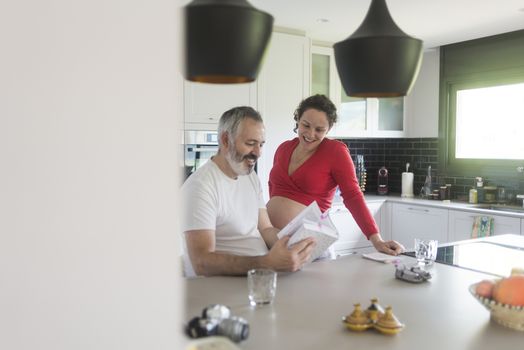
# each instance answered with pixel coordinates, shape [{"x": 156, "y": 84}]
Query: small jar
[
  {"x": 442, "y": 193},
  {"x": 490, "y": 194}
]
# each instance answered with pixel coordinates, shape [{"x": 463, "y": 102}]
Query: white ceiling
[{"x": 436, "y": 22}]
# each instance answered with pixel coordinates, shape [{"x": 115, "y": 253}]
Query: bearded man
[{"x": 225, "y": 222}]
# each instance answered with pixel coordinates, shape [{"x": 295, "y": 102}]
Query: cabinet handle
[{"x": 418, "y": 209}]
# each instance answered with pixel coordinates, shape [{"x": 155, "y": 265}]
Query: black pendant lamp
[
  {"x": 225, "y": 41},
  {"x": 378, "y": 59}
]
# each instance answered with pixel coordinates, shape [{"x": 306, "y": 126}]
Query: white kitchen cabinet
[
  {"x": 370, "y": 117},
  {"x": 205, "y": 103},
  {"x": 351, "y": 238},
  {"x": 358, "y": 117},
  {"x": 461, "y": 224},
  {"x": 410, "y": 221},
  {"x": 282, "y": 84}
]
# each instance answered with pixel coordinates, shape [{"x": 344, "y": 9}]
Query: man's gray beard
[{"x": 238, "y": 167}]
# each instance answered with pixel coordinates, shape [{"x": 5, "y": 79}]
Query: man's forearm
[
  {"x": 270, "y": 236},
  {"x": 212, "y": 263}
]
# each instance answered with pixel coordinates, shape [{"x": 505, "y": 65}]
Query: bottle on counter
[
  {"x": 501, "y": 195},
  {"x": 473, "y": 196},
  {"x": 448, "y": 191},
  {"x": 479, "y": 185}
]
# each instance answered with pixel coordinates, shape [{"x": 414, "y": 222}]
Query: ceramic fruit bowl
[{"x": 506, "y": 315}]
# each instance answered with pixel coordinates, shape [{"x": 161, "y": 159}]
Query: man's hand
[
  {"x": 387, "y": 247},
  {"x": 207, "y": 262},
  {"x": 282, "y": 258}
]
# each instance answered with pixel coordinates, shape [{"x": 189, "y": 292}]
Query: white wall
[
  {"x": 422, "y": 104},
  {"x": 88, "y": 182},
  {"x": 282, "y": 83}
]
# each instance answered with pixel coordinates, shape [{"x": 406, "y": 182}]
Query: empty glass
[
  {"x": 426, "y": 251},
  {"x": 262, "y": 286}
]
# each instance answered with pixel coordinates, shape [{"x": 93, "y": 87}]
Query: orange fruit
[
  {"x": 510, "y": 290},
  {"x": 485, "y": 288}
]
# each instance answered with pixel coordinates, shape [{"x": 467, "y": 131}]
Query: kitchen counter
[
  {"x": 481, "y": 208},
  {"x": 310, "y": 304}
]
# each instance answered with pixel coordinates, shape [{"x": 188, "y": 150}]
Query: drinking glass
[
  {"x": 262, "y": 286},
  {"x": 426, "y": 251}
]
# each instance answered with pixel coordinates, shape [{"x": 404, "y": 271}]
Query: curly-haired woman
[{"x": 310, "y": 167}]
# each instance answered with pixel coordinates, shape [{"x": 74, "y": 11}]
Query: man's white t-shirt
[{"x": 214, "y": 201}]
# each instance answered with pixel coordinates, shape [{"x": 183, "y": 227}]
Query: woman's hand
[{"x": 387, "y": 247}]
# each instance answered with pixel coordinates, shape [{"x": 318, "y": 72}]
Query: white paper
[
  {"x": 381, "y": 257},
  {"x": 311, "y": 223}
]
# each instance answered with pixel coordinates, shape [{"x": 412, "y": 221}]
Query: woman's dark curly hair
[{"x": 320, "y": 103}]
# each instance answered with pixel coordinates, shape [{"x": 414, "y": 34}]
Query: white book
[{"x": 311, "y": 222}]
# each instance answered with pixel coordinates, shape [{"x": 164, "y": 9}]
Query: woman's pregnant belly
[{"x": 282, "y": 210}]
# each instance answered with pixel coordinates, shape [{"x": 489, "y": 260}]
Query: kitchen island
[{"x": 309, "y": 306}]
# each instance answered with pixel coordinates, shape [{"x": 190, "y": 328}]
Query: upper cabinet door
[
  {"x": 324, "y": 76},
  {"x": 390, "y": 117},
  {"x": 205, "y": 103},
  {"x": 358, "y": 117},
  {"x": 354, "y": 117}
]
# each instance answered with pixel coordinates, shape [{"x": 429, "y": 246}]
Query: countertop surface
[
  {"x": 309, "y": 306},
  {"x": 481, "y": 208}
]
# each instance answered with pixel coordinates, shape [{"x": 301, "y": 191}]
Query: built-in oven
[{"x": 199, "y": 147}]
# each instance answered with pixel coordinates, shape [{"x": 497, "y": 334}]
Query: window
[
  {"x": 490, "y": 122},
  {"x": 481, "y": 129}
]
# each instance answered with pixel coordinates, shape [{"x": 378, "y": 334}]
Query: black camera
[{"x": 217, "y": 320}]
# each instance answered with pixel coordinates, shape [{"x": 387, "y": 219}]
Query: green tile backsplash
[{"x": 394, "y": 153}]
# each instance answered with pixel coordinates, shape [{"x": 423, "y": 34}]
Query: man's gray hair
[{"x": 230, "y": 120}]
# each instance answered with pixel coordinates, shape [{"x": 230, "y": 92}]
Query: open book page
[
  {"x": 311, "y": 222},
  {"x": 311, "y": 212}
]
